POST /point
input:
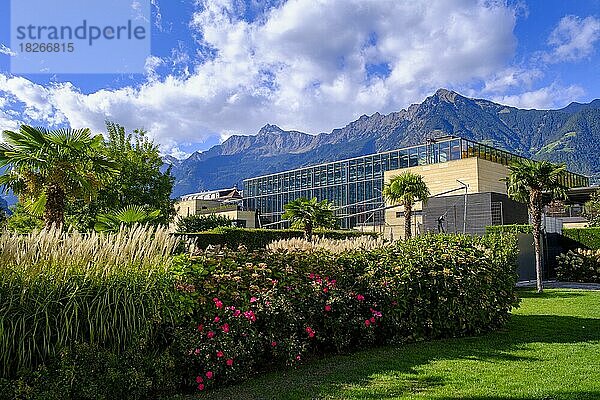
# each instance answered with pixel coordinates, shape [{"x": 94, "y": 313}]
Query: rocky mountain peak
[{"x": 269, "y": 129}]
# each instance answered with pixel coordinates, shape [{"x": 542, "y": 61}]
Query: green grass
[{"x": 549, "y": 351}]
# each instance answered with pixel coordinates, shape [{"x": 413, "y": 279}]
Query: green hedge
[
  {"x": 587, "y": 237},
  {"x": 254, "y": 239},
  {"x": 516, "y": 228}
]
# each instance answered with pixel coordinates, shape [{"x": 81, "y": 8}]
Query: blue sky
[{"x": 224, "y": 67}]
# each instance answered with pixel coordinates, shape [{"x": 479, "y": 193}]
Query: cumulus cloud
[
  {"x": 573, "y": 39},
  {"x": 549, "y": 97},
  {"x": 302, "y": 64}
]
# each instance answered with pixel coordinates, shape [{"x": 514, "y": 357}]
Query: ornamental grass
[{"x": 61, "y": 288}]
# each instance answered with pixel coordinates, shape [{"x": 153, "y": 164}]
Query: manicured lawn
[{"x": 550, "y": 351}]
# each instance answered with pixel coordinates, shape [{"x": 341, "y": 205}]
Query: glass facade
[{"x": 354, "y": 185}]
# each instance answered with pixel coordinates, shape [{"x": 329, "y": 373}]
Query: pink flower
[
  {"x": 298, "y": 357},
  {"x": 253, "y": 299},
  {"x": 209, "y": 374},
  {"x": 232, "y": 308},
  {"x": 220, "y": 354},
  {"x": 327, "y": 307},
  {"x": 367, "y": 322},
  {"x": 325, "y": 290},
  {"x": 218, "y": 303},
  {"x": 310, "y": 331},
  {"x": 197, "y": 352},
  {"x": 250, "y": 315},
  {"x": 311, "y": 275},
  {"x": 210, "y": 334},
  {"x": 372, "y": 320},
  {"x": 360, "y": 297},
  {"x": 229, "y": 362},
  {"x": 217, "y": 319},
  {"x": 273, "y": 344},
  {"x": 237, "y": 313},
  {"x": 394, "y": 303},
  {"x": 201, "y": 386},
  {"x": 225, "y": 328},
  {"x": 199, "y": 379},
  {"x": 332, "y": 283},
  {"x": 200, "y": 328}
]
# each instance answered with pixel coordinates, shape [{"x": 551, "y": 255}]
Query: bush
[
  {"x": 254, "y": 239},
  {"x": 200, "y": 223},
  {"x": 272, "y": 308},
  {"x": 515, "y": 228},
  {"x": 586, "y": 237},
  {"x": 579, "y": 266}
]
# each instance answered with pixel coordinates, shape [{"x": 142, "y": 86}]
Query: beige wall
[
  {"x": 480, "y": 175},
  {"x": 191, "y": 207}
]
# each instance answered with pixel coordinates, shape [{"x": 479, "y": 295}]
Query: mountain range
[{"x": 570, "y": 134}]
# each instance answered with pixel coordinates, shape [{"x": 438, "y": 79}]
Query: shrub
[
  {"x": 515, "y": 228},
  {"x": 336, "y": 246},
  {"x": 586, "y": 237},
  {"x": 269, "y": 308},
  {"x": 579, "y": 266},
  {"x": 200, "y": 223},
  {"x": 254, "y": 239}
]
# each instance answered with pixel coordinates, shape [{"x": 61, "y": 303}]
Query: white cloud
[
  {"x": 6, "y": 50},
  {"x": 512, "y": 77},
  {"x": 549, "y": 97},
  {"x": 573, "y": 39},
  {"x": 302, "y": 65}
]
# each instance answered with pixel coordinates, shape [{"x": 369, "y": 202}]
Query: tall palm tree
[
  {"x": 405, "y": 190},
  {"x": 526, "y": 182},
  {"x": 46, "y": 168},
  {"x": 309, "y": 214}
]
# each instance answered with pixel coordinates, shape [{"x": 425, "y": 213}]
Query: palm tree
[
  {"x": 309, "y": 214},
  {"x": 127, "y": 216},
  {"x": 405, "y": 190},
  {"x": 46, "y": 168},
  {"x": 527, "y": 182}
]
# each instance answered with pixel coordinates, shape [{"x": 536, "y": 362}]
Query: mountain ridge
[{"x": 570, "y": 134}]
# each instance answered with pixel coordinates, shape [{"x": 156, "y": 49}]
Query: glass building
[{"x": 354, "y": 185}]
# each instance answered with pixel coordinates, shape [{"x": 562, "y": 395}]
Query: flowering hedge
[
  {"x": 579, "y": 266},
  {"x": 241, "y": 312}
]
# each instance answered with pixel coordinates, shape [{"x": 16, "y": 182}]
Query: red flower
[
  {"x": 229, "y": 362},
  {"x": 220, "y": 354},
  {"x": 311, "y": 275},
  {"x": 273, "y": 343},
  {"x": 310, "y": 331},
  {"x": 218, "y": 303},
  {"x": 327, "y": 307},
  {"x": 372, "y": 320},
  {"x": 199, "y": 379},
  {"x": 201, "y": 386},
  {"x": 209, "y": 374},
  {"x": 217, "y": 319},
  {"x": 225, "y": 328},
  {"x": 325, "y": 290},
  {"x": 367, "y": 322},
  {"x": 210, "y": 334},
  {"x": 360, "y": 297},
  {"x": 200, "y": 328}
]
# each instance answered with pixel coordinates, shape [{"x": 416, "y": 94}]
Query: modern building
[
  {"x": 452, "y": 166},
  {"x": 224, "y": 202}
]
